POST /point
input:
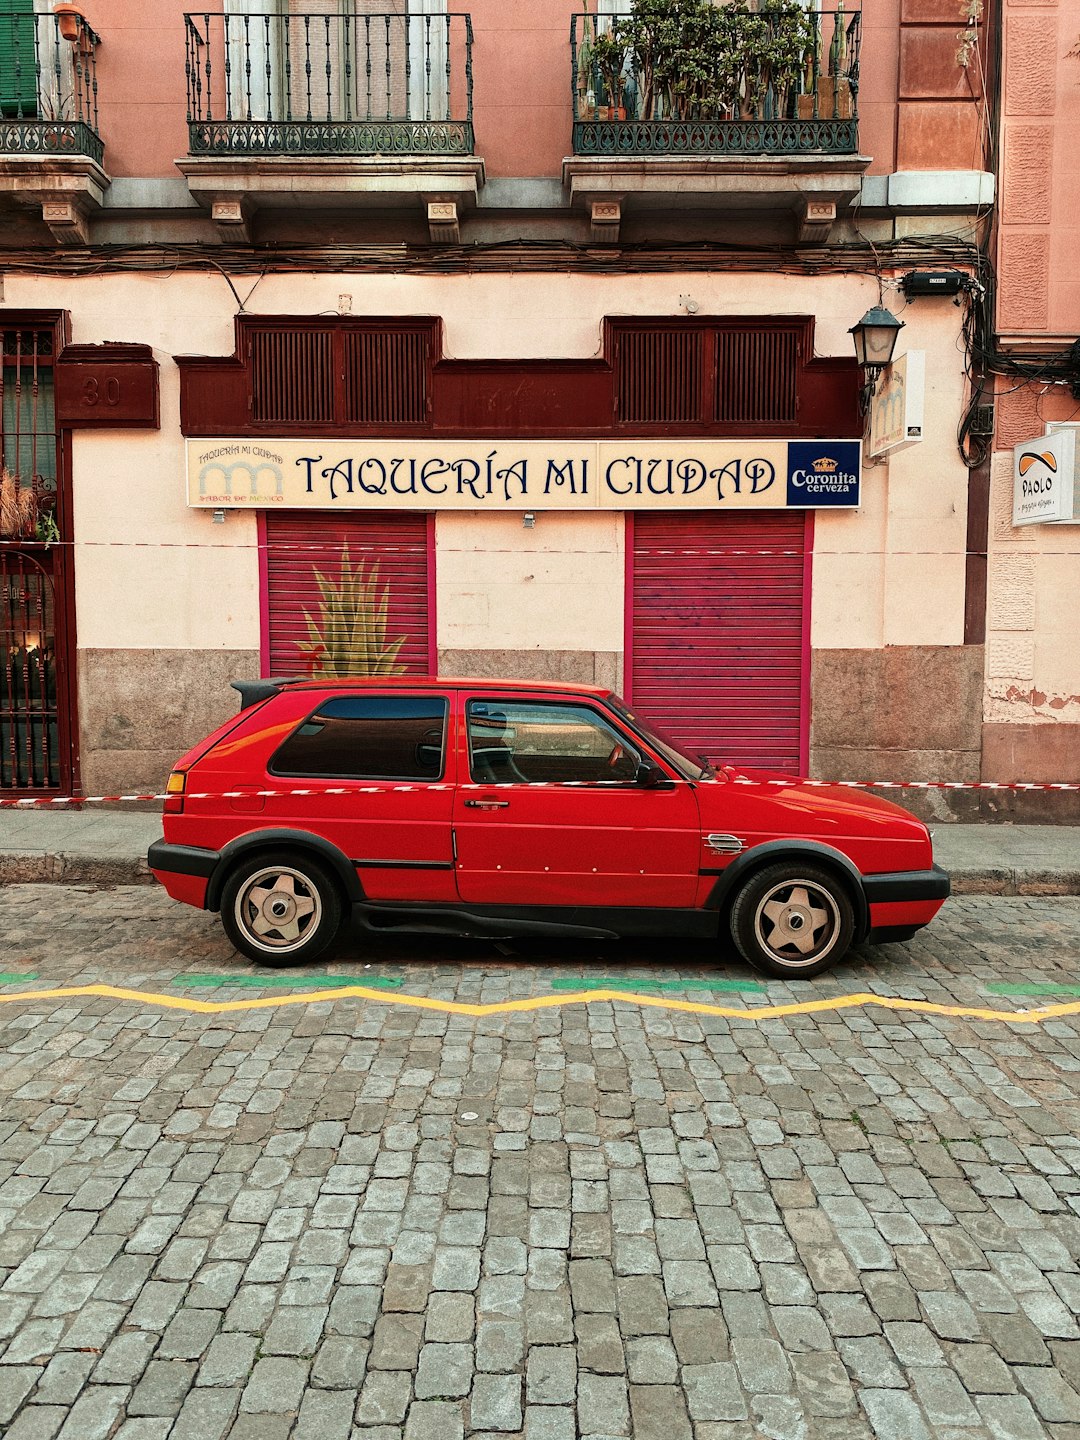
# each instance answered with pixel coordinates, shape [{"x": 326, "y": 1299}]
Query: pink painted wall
[
  {"x": 521, "y": 76},
  {"x": 141, "y": 83},
  {"x": 1039, "y": 219},
  {"x": 879, "y": 61}
]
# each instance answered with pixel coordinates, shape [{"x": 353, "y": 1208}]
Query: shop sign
[
  {"x": 896, "y": 408},
  {"x": 523, "y": 474},
  {"x": 1044, "y": 474}
]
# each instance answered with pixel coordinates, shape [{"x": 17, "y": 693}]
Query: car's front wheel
[
  {"x": 281, "y": 909},
  {"x": 792, "y": 920}
]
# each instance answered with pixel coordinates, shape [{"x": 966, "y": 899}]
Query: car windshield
[{"x": 689, "y": 768}]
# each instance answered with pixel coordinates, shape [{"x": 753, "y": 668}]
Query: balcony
[
  {"x": 715, "y": 108},
  {"x": 340, "y": 110},
  {"x": 50, "y": 150}
]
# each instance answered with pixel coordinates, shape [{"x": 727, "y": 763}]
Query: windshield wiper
[{"x": 707, "y": 768}]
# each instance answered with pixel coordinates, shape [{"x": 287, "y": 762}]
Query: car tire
[
  {"x": 281, "y": 908},
  {"x": 792, "y": 920}
]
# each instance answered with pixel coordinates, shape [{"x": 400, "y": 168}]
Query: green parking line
[
  {"x": 7, "y": 979},
  {"x": 1047, "y": 987},
  {"x": 296, "y": 982},
  {"x": 609, "y": 982}
]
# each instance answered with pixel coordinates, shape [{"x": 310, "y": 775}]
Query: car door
[
  {"x": 549, "y": 810},
  {"x": 387, "y": 751}
]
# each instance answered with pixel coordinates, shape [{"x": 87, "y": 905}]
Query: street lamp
[{"x": 875, "y": 340}]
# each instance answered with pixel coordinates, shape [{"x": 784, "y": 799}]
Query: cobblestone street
[{"x": 364, "y": 1217}]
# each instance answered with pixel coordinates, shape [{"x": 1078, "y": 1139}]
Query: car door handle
[{"x": 487, "y": 804}]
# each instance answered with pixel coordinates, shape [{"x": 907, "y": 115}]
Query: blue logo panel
[{"x": 823, "y": 472}]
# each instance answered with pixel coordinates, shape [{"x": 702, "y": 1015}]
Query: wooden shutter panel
[
  {"x": 18, "y": 60},
  {"x": 756, "y": 376},
  {"x": 659, "y": 377},
  {"x": 292, "y": 376},
  {"x": 717, "y": 638},
  {"x": 386, "y": 376}
]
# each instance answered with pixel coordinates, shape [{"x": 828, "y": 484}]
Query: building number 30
[{"x": 96, "y": 393}]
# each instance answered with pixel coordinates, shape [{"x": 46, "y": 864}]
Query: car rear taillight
[{"x": 174, "y": 789}]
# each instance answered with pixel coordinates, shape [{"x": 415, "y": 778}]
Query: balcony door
[{"x": 319, "y": 62}]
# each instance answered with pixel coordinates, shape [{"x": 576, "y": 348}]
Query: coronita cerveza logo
[{"x": 825, "y": 465}]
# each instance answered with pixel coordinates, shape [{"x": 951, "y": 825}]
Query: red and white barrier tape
[{"x": 28, "y": 802}]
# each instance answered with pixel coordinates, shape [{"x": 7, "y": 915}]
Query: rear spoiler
[{"x": 254, "y": 692}]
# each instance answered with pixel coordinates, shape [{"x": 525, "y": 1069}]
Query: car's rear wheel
[
  {"x": 281, "y": 909},
  {"x": 792, "y": 920}
]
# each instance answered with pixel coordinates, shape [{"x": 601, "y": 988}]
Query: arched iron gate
[
  {"x": 36, "y": 610},
  {"x": 29, "y": 717}
]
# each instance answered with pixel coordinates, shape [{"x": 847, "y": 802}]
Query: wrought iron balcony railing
[
  {"x": 48, "y": 87},
  {"x": 319, "y": 84},
  {"x": 782, "y": 82}
]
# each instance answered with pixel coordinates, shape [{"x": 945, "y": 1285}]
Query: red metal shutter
[
  {"x": 717, "y": 646},
  {"x": 299, "y": 544}
]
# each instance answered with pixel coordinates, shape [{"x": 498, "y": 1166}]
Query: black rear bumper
[{"x": 182, "y": 859}]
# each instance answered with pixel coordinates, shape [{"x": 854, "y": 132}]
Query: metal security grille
[
  {"x": 717, "y": 646},
  {"x": 659, "y": 376},
  {"x": 756, "y": 375},
  {"x": 29, "y": 722},
  {"x": 386, "y": 376},
  {"x": 292, "y": 375},
  {"x": 334, "y": 627}
]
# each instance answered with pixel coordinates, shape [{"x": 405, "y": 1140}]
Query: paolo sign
[
  {"x": 1044, "y": 479},
  {"x": 523, "y": 475}
]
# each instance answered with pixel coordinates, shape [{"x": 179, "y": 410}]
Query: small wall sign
[
  {"x": 896, "y": 410},
  {"x": 109, "y": 386},
  {"x": 1044, "y": 479},
  {"x": 320, "y": 474}
]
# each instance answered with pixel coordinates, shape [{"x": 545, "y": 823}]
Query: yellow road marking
[{"x": 547, "y": 1002}]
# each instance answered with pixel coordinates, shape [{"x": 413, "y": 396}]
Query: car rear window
[{"x": 368, "y": 737}]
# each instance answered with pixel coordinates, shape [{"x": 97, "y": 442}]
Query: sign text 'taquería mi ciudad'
[{"x": 631, "y": 474}]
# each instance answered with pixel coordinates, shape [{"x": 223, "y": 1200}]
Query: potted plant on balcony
[
  {"x": 610, "y": 52},
  {"x": 773, "y": 43}
]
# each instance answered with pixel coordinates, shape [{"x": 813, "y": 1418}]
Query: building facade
[{"x": 370, "y": 336}]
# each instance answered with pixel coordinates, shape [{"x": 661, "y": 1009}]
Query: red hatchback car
[{"x": 512, "y": 808}]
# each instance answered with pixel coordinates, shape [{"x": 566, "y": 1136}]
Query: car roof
[{"x": 445, "y": 682}]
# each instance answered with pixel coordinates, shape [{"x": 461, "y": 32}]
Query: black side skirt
[{"x": 495, "y": 922}]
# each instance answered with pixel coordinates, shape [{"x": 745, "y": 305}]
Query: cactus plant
[{"x": 349, "y": 636}]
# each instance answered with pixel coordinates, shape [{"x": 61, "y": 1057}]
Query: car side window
[
  {"x": 530, "y": 743},
  {"x": 368, "y": 737}
]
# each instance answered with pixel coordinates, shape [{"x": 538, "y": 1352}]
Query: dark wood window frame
[
  {"x": 705, "y": 403},
  {"x": 342, "y": 402}
]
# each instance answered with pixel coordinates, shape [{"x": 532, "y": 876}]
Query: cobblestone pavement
[{"x": 355, "y": 1219}]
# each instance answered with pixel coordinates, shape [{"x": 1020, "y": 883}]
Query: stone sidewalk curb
[{"x": 72, "y": 868}]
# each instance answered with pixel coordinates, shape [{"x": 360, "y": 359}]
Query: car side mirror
[{"x": 651, "y": 777}]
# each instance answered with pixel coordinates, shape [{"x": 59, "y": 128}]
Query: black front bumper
[
  {"x": 182, "y": 859},
  {"x": 932, "y": 884}
]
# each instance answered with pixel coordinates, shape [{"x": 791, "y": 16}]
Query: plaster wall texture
[
  {"x": 1039, "y": 220},
  {"x": 129, "y": 484}
]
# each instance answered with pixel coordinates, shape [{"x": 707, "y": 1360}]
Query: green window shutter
[{"x": 18, "y": 61}]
